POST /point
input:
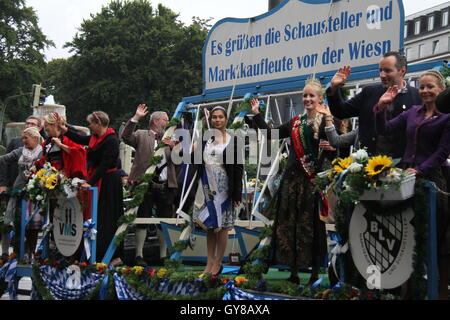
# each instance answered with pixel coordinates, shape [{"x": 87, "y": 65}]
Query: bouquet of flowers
[
  {"x": 49, "y": 181},
  {"x": 359, "y": 172}
]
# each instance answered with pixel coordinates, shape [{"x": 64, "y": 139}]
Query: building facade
[{"x": 427, "y": 34}]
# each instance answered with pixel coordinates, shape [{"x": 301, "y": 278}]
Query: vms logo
[{"x": 67, "y": 227}]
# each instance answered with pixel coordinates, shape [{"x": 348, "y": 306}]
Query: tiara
[{"x": 218, "y": 108}]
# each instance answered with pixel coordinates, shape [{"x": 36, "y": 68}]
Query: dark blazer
[
  {"x": 103, "y": 157},
  {"x": 443, "y": 101},
  {"x": 361, "y": 106},
  {"x": 8, "y": 176},
  {"x": 234, "y": 170}
]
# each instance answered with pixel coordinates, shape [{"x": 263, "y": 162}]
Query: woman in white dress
[{"x": 219, "y": 189}]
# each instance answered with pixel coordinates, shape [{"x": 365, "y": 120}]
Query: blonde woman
[
  {"x": 24, "y": 157},
  {"x": 426, "y": 152},
  {"x": 299, "y": 238},
  {"x": 62, "y": 153}
]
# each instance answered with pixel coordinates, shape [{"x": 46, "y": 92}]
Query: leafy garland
[
  {"x": 254, "y": 271},
  {"x": 39, "y": 284},
  {"x": 144, "y": 289}
]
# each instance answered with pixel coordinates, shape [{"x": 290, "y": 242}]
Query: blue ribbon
[
  {"x": 335, "y": 237},
  {"x": 341, "y": 177},
  {"x": 338, "y": 286},
  {"x": 315, "y": 285},
  {"x": 41, "y": 245},
  {"x": 10, "y": 274},
  {"x": 3, "y": 270},
  {"x": 211, "y": 221},
  {"x": 337, "y": 251},
  {"x": 230, "y": 290},
  {"x": 104, "y": 287},
  {"x": 88, "y": 235}
]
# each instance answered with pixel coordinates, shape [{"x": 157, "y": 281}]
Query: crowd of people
[{"x": 395, "y": 119}]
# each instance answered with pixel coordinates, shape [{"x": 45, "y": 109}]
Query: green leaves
[
  {"x": 129, "y": 53},
  {"x": 21, "y": 55}
]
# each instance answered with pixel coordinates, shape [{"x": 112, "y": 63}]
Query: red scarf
[
  {"x": 96, "y": 140},
  {"x": 300, "y": 153},
  {"x": 93, "y": 143}
]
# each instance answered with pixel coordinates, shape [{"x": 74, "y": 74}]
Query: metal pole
[
  {"x": 211, "y": 104},
  {"x": 432, "y": 267},
  {"x": 94, "y": 207}
]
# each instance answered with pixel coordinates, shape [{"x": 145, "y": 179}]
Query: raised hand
[
  {"x": 60, "y": 122},
  {"x": 388, "y": 97},
  {"x": 323, "y": 109},
  {"x": 141, "y": 112},
  {"x": 340, "y": 78},
  {"x": 254, "y": 103}
]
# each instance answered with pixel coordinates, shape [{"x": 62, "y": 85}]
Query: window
[
  {"x": 444, "y": 18},
  {"x": 417, "y": 27},
  {"x": 448, "y": 43},
  {"x": 408, "y": 53},
  {"x": 421, "y": 50},
  {"x": 406, "y": 30},
  {"x": 430, "y": 23},
  {"x": 435, "y": 46}
]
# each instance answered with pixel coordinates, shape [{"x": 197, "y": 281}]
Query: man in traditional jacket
[{"x": 162, "y": 191}]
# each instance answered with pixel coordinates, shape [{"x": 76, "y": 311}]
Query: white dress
[{"x": 218, "y": 190}]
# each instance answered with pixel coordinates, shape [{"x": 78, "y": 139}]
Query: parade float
[{"x": 382, "y": 223}]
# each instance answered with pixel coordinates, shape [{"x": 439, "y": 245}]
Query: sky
[{"x": 61, "y": 19}]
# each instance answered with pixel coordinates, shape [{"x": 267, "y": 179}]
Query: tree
[
  {"x": 127, "y": 54},
  {"x": 21, "y": 58}
]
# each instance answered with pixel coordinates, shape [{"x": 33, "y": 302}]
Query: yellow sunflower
[
  {"x": 51, "y": 182},
  {"x": 377, "y": 164},
  {"x": 342, "y": 164},
  {"x": 40, "y": 173}
]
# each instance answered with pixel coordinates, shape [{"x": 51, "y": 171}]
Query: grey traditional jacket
[{"x": 144, "y": 143}]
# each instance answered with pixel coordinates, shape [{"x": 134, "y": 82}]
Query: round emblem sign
[
  {"x": 68, "y": 225},
  {"x": 382, "y": 247}
]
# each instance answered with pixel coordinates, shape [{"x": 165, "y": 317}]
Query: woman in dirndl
[
  {"x": 219, "y": 189},
  {"x": 299, "y": 235}
]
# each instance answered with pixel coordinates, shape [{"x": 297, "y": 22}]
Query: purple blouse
[{"x": 427, "y": 140}]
